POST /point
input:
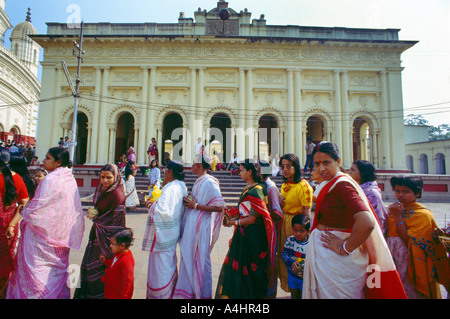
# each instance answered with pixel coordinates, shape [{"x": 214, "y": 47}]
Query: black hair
[
  {"x": 206, "y": 160},
  {"x": 366, "y": 171},
  {"x": 328, "y": 148},
  {"x": 10, "y": 193},
  {"x": 177, "y": 169},
  {"x": 156, "y": 161},
  {"x": 252, "y": 165},
  {"x": 128, "y": 169},
  {"x": 61, "y": 154},
  {"x": 123, "y": 236},
  {"x": 296, "y": 163},
  {"x": 266, "y": 169},
  {"x": 18, "y": 164},
  {"x": 413, "y": 183},
  {"x": 302, "y": 220},
  {"x": 108, "y": 168}
]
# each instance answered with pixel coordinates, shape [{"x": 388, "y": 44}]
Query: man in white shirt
[
  {"x": 234, "y": 159},
  {"x": 198, "y": 146}
]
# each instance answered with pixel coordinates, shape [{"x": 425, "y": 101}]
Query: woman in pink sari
[{"x": 51, "y": 225}]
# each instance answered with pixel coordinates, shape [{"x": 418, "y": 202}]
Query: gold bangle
[{"x": 11, "y": 226}]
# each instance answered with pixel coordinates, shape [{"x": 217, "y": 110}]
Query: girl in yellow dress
[{"x": 297, "y": 194}]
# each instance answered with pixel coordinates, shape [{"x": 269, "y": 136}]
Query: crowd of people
[{"x": 329, "y": 237}]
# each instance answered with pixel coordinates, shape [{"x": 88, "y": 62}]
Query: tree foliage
[{"x": 435, "y": 133}]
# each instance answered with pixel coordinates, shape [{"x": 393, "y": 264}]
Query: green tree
[{"x": 441, "y": 132}]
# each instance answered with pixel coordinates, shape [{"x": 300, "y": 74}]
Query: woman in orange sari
[{"x": 409, "y": 237}]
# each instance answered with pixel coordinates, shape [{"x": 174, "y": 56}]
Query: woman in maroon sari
[
  {"x": 14, "y": 196},
  {"x": 109, "y": 202}
]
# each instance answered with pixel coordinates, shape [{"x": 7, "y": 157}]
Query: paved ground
[{"x": 137, "y": 222}]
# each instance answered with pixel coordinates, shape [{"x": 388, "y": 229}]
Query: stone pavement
[{"x": 137, "y": 222}]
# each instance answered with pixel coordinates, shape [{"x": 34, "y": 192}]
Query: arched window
[
  {"x": 423, "y": 160},
  {"x": 410, "y": 163},
  {"x": 439, "y": 161}
]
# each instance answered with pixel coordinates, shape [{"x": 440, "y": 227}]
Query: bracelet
[
  {"x": 11, "y": 226},
  {"x": 343, "y": 247},
  {"x": 195, "y": 206},
  {"x": 402, "y": 222}
]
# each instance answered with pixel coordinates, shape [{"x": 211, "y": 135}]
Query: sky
[{"x": 426, "y": 74}]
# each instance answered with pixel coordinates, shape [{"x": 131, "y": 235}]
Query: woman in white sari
[
  {"x": 200, "y": 230},
  {"x": 163, "y": 232},
  {"x": 347, "y": 256}
]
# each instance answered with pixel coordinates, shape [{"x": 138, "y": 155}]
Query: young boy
[
  {"x": 119, "y": 276},
  {"x": 294, "y": 253}
]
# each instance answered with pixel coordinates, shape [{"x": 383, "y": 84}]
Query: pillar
[
  {"x": 141, "y": 146},
  {"x": 290, "y": 113},
  {"x": 346, "y": 149},
  {"x": 102, "y": 146}
]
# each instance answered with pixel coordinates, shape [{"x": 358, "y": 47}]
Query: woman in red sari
[
  {"x": 347, "y": 256},
  {"x": 14, "y": 196},
  {"x": 109, "y": 201},
  {"x": 248, "y": 265}
]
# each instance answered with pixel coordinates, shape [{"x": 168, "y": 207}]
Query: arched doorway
[
  {"x": 171, "y": 144},
  {"x": 124, "y": 135},
  {"x": 361, "y": 140},
  {"x": 423, "y": 161},
  {"x": 410, "y": 163},
  {"x": 440, "y": 163},
  {"x": 218, "y": 140},
  {"x": 82, "y": 138},
  {"x": 314, "y": 129},
  {"x": 268, "y": 137},
  {"x": 14, "y": 134}
]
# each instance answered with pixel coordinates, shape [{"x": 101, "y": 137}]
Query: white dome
[{"x": 24, "y": 29}]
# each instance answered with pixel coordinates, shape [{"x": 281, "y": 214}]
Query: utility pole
[{"x": 75, "y": 91}]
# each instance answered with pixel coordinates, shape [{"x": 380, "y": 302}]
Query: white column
[
  {"x": 141, "y": 147},
  {"x": 386, "y": 130},
  {"x": 96, "y": 115},
  {"x": 396, "y": 125},
  {"x": 252, "y": 140},
  {"x": 112, "y": 143},
  {"x": 290, "y": 113},
  {"x": 240, "y": 137},
  {"x": 89, "y": 141},
  {"x": 346, "y": 149},
  {"x": 192, "y": 115},
  {"x": 151, "y": 128},
  {"x": 297, "y": 119},
  {"x": 337, "y": 125},
  {"x": 102, "y": 145},
  {"x": 200, "y": 101}
]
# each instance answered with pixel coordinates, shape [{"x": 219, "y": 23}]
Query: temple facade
[
  {"x": 19, "y": 84},
  {"x": 239, "y": 84}
]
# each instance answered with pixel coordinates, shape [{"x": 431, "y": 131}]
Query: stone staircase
[{"x": 230, "y": 186}]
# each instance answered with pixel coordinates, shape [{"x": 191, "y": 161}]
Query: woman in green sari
[{"x": 247, "y": 268}]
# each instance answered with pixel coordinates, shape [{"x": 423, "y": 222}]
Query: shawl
[
  {"x": 199, "y": 233},
  {"x": 210, "y": 197},
  {"x": 164, "y": 218},
  {"x": 248, "y": 201},
  {"x": 428, "y": 261},
  {"x": 55, "y": 212},
  {"x": 373, "y": 194},
  {"x": 110, "y": 204},
  {"x": 132, "y": 155},
  {"x": 390, "y": 286}
]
